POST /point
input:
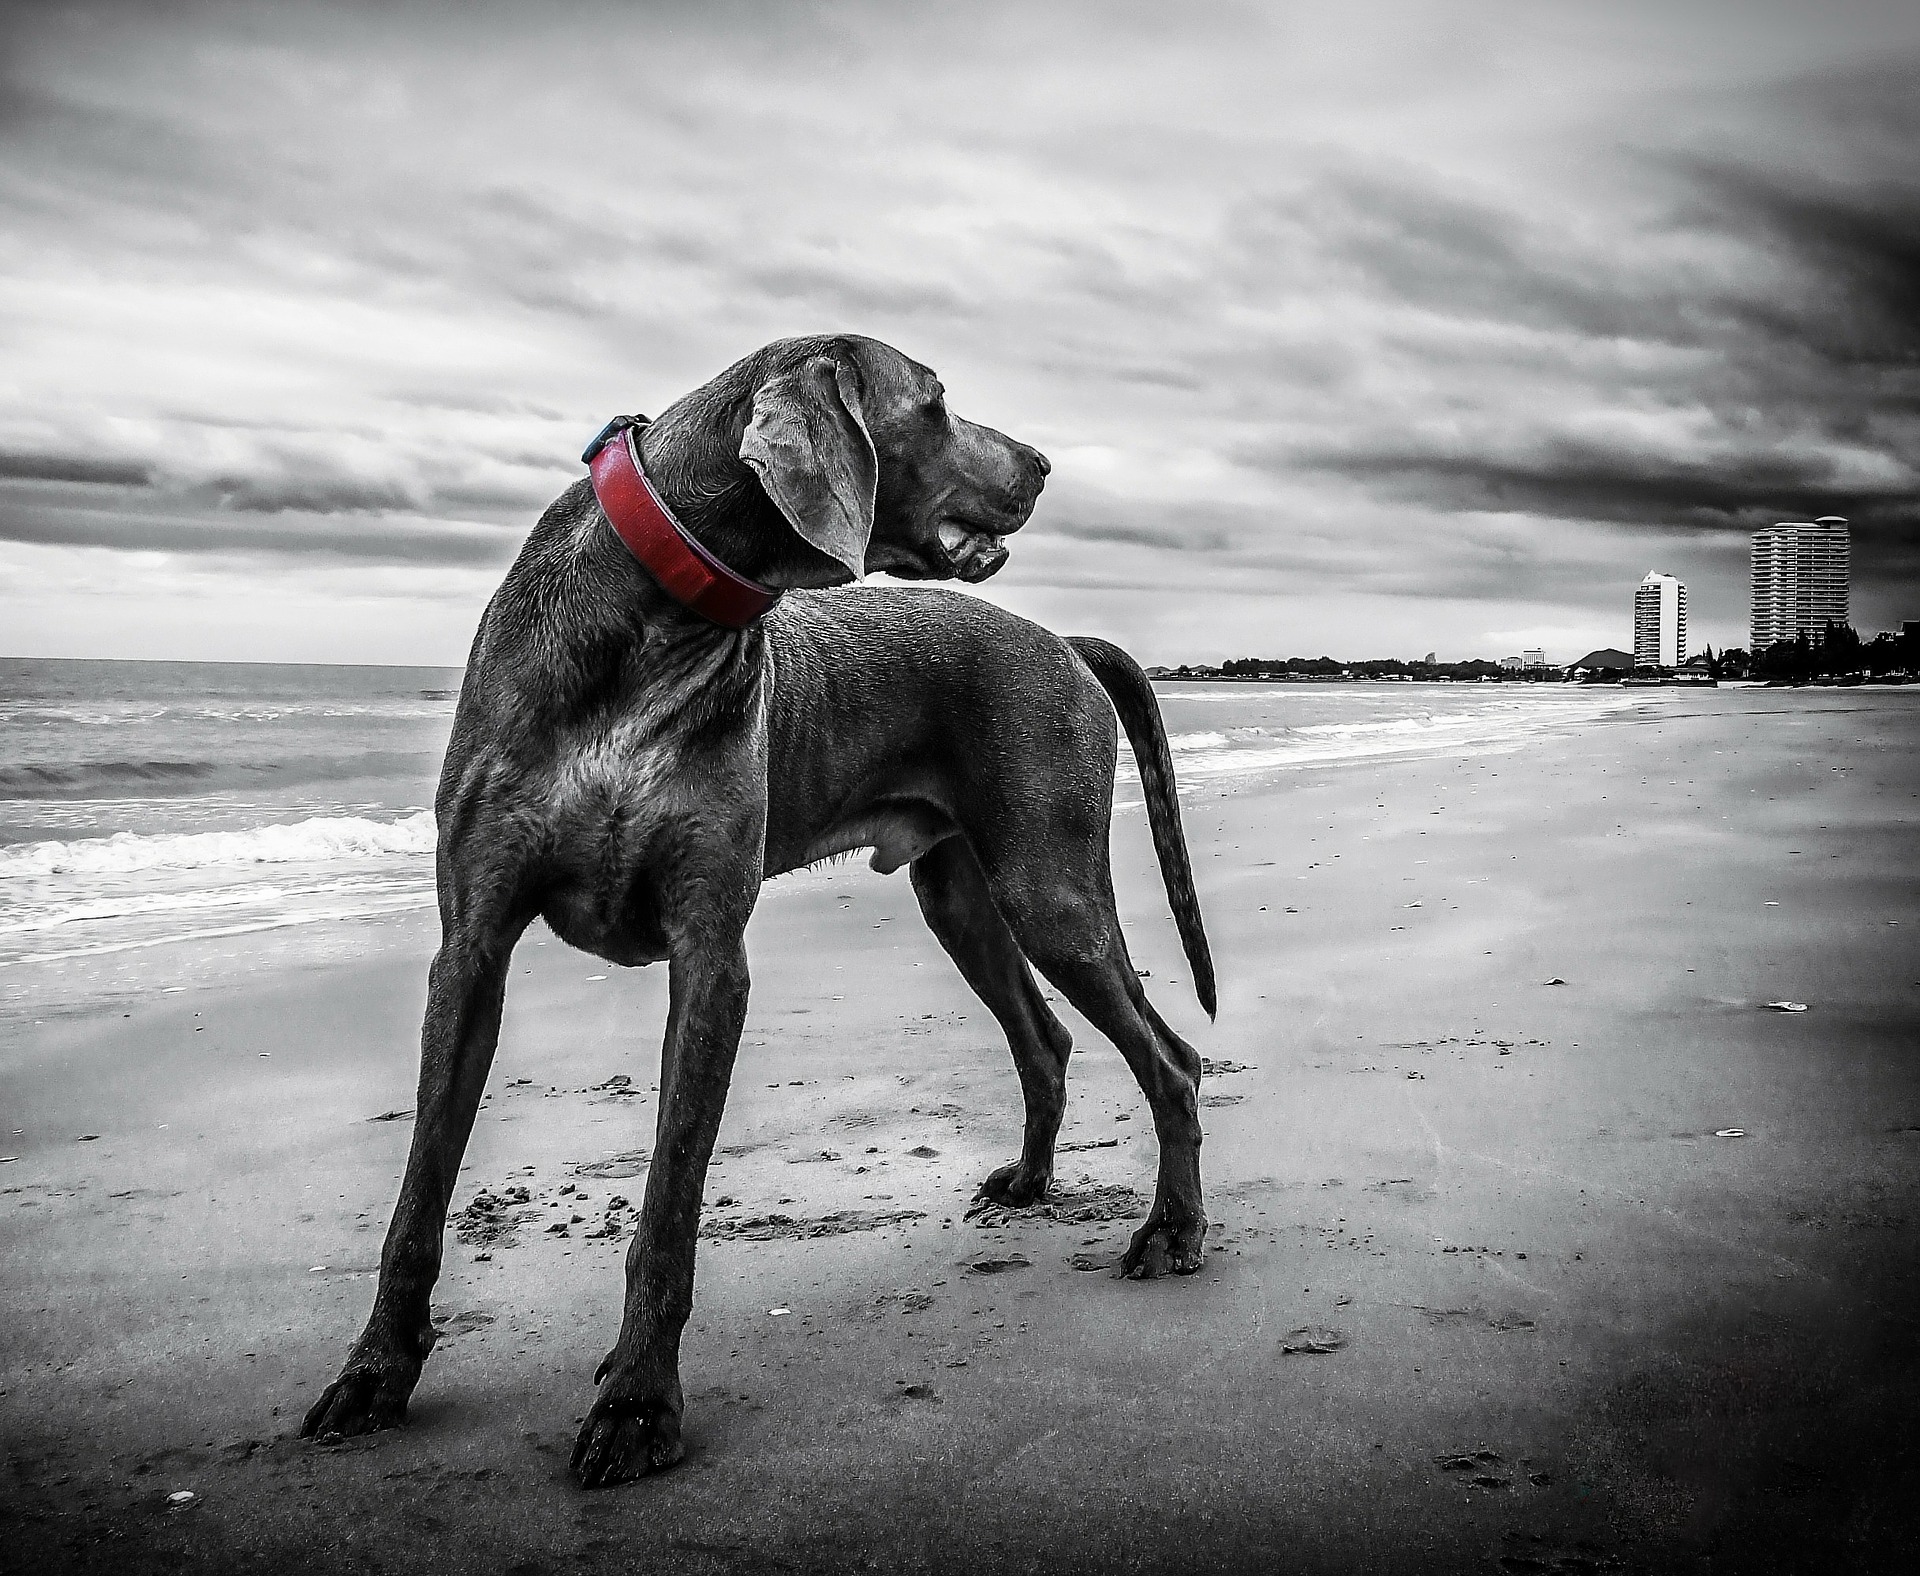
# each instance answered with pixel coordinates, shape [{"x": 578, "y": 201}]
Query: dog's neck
[
  {"x": 691, "y": 455},
  {"x": 720, "y": 505},
  {"x": 620, "y": 588}
]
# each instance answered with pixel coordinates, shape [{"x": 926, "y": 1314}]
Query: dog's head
[{"x": 853, "y": 445}]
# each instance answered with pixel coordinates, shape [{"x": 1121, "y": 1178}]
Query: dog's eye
[{"x": 936, "y": 405}]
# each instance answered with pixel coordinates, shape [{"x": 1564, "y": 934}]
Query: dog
[{"x": 636, "y": 749}]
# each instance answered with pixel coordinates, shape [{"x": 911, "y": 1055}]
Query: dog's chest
[
  {"x": 634, "y": 812},
  {"x": 612, "y": 778}
]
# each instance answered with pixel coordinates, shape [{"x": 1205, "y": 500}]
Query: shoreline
[
  {"x": 1701, "y": 1354},
  {"x": 109, "y": 901}
]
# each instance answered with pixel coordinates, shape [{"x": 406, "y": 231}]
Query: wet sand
[{"x": 1488, "y": 1289}]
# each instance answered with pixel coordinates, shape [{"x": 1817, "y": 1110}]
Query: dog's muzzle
[{"x": 974, "y": 554}]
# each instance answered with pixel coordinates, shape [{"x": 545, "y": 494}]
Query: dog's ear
[{"x": 808, "y": 444}]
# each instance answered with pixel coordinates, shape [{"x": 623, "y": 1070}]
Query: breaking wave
[{"x": 319, "y": 838}]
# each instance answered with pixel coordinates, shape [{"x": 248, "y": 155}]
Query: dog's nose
[{"x": 1039, "y": 459}]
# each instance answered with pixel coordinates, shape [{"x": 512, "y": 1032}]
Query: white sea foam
[
  {"x": 318, "y": 838},
  {"x": 284, "y": 920},
  {"x": 92, "y": 717},
  {"x": 1501, "y": 725},
  {"x": 52, "y": 907},
  {"x": 385, "y": 710},
  {"x": 139, "y": 716}
]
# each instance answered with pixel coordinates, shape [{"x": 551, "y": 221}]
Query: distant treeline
[
  {"x": 1372, "y": 668},
  {"x": 1836, "y": 652}
]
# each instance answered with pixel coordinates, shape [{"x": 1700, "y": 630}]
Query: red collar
[{"x": 687, "y": 572}]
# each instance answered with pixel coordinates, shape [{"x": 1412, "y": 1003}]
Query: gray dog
[{"x": 630, "y": 771}]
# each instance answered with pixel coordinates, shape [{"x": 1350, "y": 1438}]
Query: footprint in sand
[
  {"x": 462, "y": 1323},
  {"x": 628, "y": 1164},
  {"x": 1017, "y": 1261},
  {"x": 770, "y": 1228},
  {"x": 493, "y": 1218},
  {"x": 1087, "y": 1205}
]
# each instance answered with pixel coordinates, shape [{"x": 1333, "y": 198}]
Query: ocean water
[
  {"x": 145, "y": 804},
  {"x": 149, "y": 805}
]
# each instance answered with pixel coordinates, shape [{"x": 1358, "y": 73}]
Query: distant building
[
  {"x": 1536, "y": 658},
  {"x": 1659, "y": 622},
  {"x": 1512, "y": 664},
  {"x": 1799, "y": 579},
  {"x": 1428, "y": 659}
]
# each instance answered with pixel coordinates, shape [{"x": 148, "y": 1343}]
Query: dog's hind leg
[
  {"x": 959, "y": 909},
  {"x": 1066, "y": 922},
  {"x": 466, "y": 989}
]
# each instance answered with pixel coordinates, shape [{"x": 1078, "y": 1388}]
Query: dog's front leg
[
  {"x": 466, "y": 989},
  {"x": 634, "y": 1426}
]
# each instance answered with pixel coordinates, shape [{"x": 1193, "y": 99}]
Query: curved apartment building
[{"x": 1800, "y": 576}]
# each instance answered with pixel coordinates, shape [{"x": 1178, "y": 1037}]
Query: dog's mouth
[{"x": 973, "y": 552}]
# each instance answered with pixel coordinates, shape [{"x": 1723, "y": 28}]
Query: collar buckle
[{"x": 607, "y": 433}]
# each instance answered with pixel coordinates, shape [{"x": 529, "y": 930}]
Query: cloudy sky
[{"x": 1350, "y": 328}]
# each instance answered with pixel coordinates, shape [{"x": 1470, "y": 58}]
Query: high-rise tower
[
  {"x": 1659, "y": 622},
  {"x": 1799, "y": 579}
]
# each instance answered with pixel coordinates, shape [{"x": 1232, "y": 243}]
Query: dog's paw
[
  {"x": 360, "y": 1401},
  {"x": 623, "y": 1439},
  {"x": 1016, "y": 1186},
  {"x": 1161, "y": 1248}
]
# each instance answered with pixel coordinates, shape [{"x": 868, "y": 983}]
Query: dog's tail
[{"x": 1132, "y": 697}]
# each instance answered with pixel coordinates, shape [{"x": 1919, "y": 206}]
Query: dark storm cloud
[
  {"x": 1177, "y": 528},
  {"x": 1399, "y": 237},
  {"x": 1566, "y": 479},
  {"x": 387, "y": 541},
  {"x": 1859, "y": 245},
  {"x": 73, "y": 468},
  {"x": 519, "y": 498},
  {"x": 475, "y": 402},
  {"x": 284, "y": 495},
  {"x": 1751, "y": 354},
  {"x": 1148, "y": 376},
  {"x": 196, "y": 516}
]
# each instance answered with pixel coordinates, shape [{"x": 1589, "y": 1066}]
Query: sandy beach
[{"x": 1541, "y": 1245}]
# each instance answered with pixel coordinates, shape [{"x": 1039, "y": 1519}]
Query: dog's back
[{"x": 930, "y": 692}]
